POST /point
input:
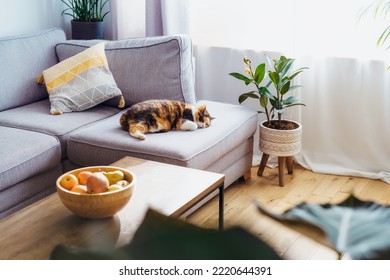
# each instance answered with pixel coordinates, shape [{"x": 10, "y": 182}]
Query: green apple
[
  {"x": 114, "y": 176},
  {"x": 122, "y": 183},
  {"x": 114, "y": 187}
]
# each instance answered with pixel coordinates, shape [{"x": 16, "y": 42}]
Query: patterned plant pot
[{"x": 281, "y": 143}]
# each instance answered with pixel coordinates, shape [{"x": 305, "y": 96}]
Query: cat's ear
[{"x": 202, "y": 108}]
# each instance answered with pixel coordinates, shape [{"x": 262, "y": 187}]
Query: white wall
[{"x": 24, "y": 16}]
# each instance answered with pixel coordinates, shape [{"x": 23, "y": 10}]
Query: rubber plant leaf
[
  {"x": 259, "y": 73},
  {"x": 241, "y": 77},
  {"x": 244, "y": 96},
  {"x": 161, "y": 237},
  {"x": 285, "y": 88},
  {"x": 291, "y": 100},
  {"x": 359, "y": 228},
  {"x": 275, "y": 78}
]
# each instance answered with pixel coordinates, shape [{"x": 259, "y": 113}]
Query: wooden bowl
[{"x": 100, "y": 205}]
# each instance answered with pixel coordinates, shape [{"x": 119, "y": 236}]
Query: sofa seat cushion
[
  {"x": 35, "y": 117},
  {"x": 25, "y": 154},
  {"x": 106, "y": 142}
]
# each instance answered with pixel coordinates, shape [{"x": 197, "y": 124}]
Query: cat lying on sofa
[{"x": 163, "y": 115}]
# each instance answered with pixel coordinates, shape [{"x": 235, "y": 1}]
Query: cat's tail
[{"x": 123, "y": 122}]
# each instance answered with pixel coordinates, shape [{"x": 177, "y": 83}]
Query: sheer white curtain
[
  {"x": 346, "y": 123},
  {"x": 127, "y": 18}
]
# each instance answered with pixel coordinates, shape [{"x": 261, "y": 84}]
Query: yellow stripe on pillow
[
  {"x": 73, "y": 72},
  {"x": 68, "y": 69}
]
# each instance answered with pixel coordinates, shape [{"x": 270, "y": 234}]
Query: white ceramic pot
[{"x": 281, "y": 143}]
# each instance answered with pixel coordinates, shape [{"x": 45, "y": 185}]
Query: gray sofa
[{"x": 37, "y": 147}]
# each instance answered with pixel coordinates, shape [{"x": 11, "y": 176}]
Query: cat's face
[{"x": 201, "y": 117}]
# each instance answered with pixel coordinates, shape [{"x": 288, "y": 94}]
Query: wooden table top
[{"x": 34, "y": 231}]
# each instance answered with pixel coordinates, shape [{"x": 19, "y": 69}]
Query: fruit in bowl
[
  {"x": 97, "y": 182},
  {"x": 98, "y": 192}
]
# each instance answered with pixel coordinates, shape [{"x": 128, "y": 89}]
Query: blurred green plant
[
  {"x": 353, "y": 226},
  {"x": 85, "y": 10},
  {"x": 161, "y": 237},
  {"x": 379, "y": 8}
]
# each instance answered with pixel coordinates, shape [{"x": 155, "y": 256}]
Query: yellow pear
[{"x": 114, "y": 176}]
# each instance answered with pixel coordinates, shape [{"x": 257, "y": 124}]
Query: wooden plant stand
[{"x": 282, "y": 162}]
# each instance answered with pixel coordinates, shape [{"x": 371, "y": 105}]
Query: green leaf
[
  {"x": 266, "y": 92},
  {"x": 275, "y": 78},
  {"x": 285, "y": 88},
  {"x": 359, "y": 228},
  {"x": 291, "y": 100},
  {"x": 295, "y": 87},
  {"x": 294, "y": 104},
  {"x": 259, "y": 73},
  {"x": 384, "y": 36},
  {"x": 244, "y": 96},
  {"x": 278, "y": 105},
  {"x": 241, "y": 77},
  {"x": 287, "y": 67},
  {"x": 85, "y": 10},
  {"x": 263, "y": 101},
  {"x": 297, "y": 72}
]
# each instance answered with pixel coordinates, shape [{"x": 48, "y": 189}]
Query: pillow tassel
[
  {"x": 40, "y": 79},
  {"x": 121, "y": 102}
]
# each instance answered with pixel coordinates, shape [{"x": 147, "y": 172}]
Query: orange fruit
[
  {"x": 83, "y": 176},
  {"x": 79, "y": 189},
  {"x": 69, "y": 181}
]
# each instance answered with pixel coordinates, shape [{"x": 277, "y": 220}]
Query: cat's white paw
[
  {"x": 189, "y": 125},
  {"x": 138, "y": 135}
]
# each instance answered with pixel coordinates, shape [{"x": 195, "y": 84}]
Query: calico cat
[{"x": 163, "y": 115}]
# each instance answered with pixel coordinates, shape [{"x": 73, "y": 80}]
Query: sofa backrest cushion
[
  {"x": 23, "y": 58},
  {"x": 146, "y": 68}
]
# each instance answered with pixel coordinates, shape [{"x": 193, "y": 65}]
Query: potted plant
[
  {"x": 278, "y": 137},
  {"x": 87, "y": 18}
]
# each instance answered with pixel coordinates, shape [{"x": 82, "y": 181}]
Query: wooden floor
[{"x": 302, "y": 186}]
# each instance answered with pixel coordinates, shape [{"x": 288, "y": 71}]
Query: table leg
[{"x": 221, "y": 206}]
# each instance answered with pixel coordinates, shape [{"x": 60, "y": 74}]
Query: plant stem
[{"x": 267, "y": 114}]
